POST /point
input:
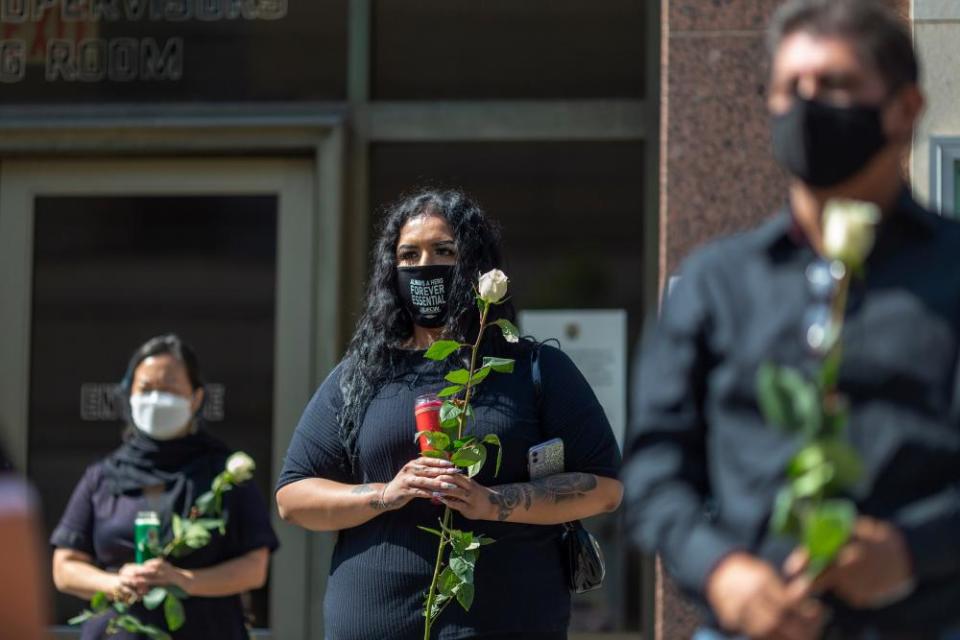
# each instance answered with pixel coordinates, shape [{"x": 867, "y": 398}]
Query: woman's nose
[{"x": 426, "y": 259}]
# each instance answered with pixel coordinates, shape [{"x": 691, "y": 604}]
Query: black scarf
[{"x": 184, "y": 466}]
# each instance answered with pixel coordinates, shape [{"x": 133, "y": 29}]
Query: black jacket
[{"x": 702, "y": 468}]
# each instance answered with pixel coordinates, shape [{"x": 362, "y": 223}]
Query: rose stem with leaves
[{"x": 447, "y": 512}]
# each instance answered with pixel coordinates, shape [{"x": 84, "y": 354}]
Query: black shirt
[
  {"x": 703, "y": 468},
  {"x": 381, "y": 569},
  {"x": 99, "y": 522}
]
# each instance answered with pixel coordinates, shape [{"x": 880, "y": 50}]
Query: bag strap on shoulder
[{"x": 535, "y": 375}]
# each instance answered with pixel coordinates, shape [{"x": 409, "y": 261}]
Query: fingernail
[
  {"x": 446, "y": 485},
  {"x": 437, "y": 494}
]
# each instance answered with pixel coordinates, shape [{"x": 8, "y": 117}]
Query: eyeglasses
[{"x": 820, "y": 330}]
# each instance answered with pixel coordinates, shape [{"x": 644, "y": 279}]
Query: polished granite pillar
[{"x": 717, "y": 175}]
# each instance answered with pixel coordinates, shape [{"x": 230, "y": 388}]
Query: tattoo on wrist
[
  {"x": 562, "y": 487},
  {"x": 362, "y": 488},
  {"x": 378, "y": 503}
]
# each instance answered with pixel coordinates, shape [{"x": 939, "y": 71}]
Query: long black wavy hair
[{"x": 376, "y": 351}]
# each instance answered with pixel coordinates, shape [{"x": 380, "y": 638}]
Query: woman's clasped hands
[
  {"x": 139, "y": 579},
  {"x": 435, "y": 478}
]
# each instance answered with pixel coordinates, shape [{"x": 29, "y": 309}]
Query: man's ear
[{"x": 904, "y": 113}]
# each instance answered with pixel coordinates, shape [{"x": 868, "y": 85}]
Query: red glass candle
[{"x": 427, "y": 412}]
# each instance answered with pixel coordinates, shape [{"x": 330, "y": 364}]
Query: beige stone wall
[{"x": 936, "y": 32}]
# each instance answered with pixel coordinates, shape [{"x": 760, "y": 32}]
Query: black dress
[
  {"x": 381, "y": 569},
  {"x": 100, "y": 515}
]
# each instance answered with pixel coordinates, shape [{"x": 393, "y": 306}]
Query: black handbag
[{"x": 583, "y": 559}]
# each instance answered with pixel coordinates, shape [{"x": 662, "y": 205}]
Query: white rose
[
  {"x": 493, "y": 286},
  {"x": 849, "y": 230},
  {"x": 241, "y": 466}
]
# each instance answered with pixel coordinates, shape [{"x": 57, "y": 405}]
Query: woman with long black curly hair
[{"x": 353, "y": 465}]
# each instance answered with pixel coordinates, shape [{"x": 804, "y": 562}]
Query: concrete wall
[{"x": 937, "y": 35}]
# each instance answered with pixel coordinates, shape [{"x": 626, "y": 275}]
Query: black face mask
[
  {"x": 824, "y": 145},
  {"x": 424, "y": 292}
]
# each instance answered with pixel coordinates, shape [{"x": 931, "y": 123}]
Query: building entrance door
[{"x": 96, "y": 256}]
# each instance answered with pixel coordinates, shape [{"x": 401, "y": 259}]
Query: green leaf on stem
[
  {"x": 788, "y": 401},
  {"x": 477, "y": 467},
  {"x": 99, "y": 602},
  {"x": 81, "y": 618},
  {"x": 210, "y": 524},
  {"x": 173, "y": 613},
  {"x": 196, "y": 536},
  {"x": 177, "y": 526},
  {"x": 494, "y": 439},
  {"x": 814, "y": 482},
  {"x": 462, "y": 567},
  {"x": 453, "y": 390},
  {"x": 127, "y": 623},
  {"x": 469, "y": 455},
  {"x": 830, "y": 371},
  {"x": 808, "y": 458},
  {"x": 784, "y": 521},
  {"x": 441, "y": 349},
  {"x": 825, "y": 530},
  {"x": 155, "y": 634},
  {"x": 465, "y": 596},
  {"x": 460, "y": 539},
  {"x": 205, "y": 503},
  {"x": 480, "y": 375},
  {"x": 459, "y": 444},
  {"x": 449, "y": 414},
  {"x": 439, "y": 604},
  {"x": 500, "y": 365},
  {"x": 178, "y": 592},
  {"x": 154, "y": 598},
  {"x": 447, "y": 582},
  {"x": 847, "y": 465},
  {"x": 437, "y": 440},
  {"x": 432, "y": 453},
  {"x": 510, "y": 331},
  {"x": 458, "y": 376},
  {"x": 130, "y": 623}
]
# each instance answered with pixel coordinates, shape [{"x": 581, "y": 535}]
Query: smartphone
[{"x": 545, "y": 459}]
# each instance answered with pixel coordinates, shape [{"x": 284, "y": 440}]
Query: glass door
[{"x": 100, "y": 256}]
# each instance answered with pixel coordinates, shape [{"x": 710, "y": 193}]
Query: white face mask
[{"x": 162, "y": 416}]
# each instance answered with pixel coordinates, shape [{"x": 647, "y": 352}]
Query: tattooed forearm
[
  {"x": 567, "y": 486},
  {"x": 509, "y": 496},
  {"x": 379, "y": 504},
  {"x": 376, "y": 503},
  {"x": 362, "y": 488},
  {"x": 554, "y": 489}
]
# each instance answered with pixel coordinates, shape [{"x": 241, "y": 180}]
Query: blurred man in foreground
[{"x": 704, "y": 467}]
